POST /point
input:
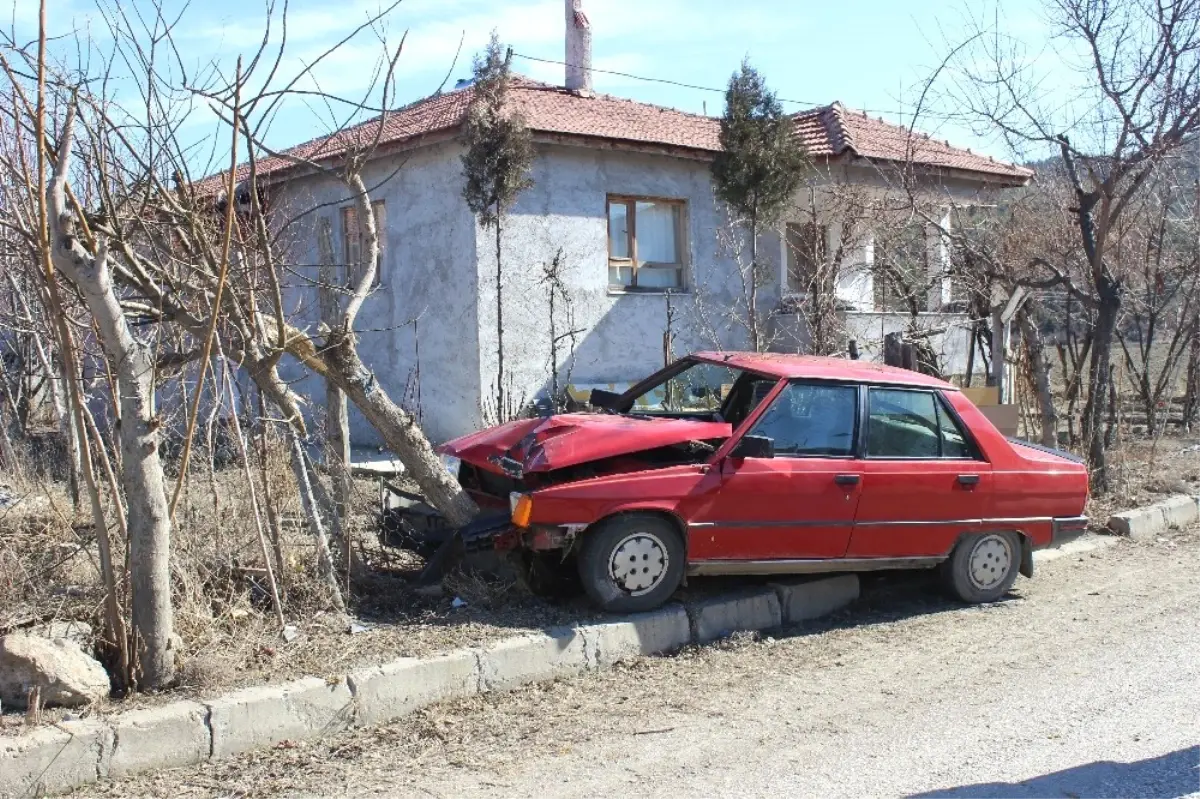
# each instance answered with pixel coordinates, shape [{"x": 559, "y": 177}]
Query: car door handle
[
  {"x": 847, "y": 479},
  {"x": 969, "y": 480}
]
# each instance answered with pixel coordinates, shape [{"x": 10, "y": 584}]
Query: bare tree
[
  {"x": 82, "y": 257},
  {"x": 1140, "y": 101}
]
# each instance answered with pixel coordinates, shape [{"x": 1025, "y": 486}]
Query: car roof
[{"x": 821, "y": 368}]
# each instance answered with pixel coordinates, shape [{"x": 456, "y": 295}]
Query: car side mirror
[{"x": 754, "y": 447}]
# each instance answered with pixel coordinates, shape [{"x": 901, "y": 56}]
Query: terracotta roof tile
[{"x": 829, "y": 131}]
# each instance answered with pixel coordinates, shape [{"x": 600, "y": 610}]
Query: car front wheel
[
  {"x": 632, "y": 562},
  {"x": 983, "y": 566}
]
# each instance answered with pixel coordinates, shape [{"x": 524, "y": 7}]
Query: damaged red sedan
[{"x": 741, "y": 463}]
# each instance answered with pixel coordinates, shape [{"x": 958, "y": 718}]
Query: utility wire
[{"x": 805, "y": 103}]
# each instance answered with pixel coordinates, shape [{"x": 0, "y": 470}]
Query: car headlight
[{"x": 451, "y": 464}]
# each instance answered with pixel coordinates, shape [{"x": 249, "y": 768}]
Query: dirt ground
[
  {"x": 1082, "y": 683},
  {"x": 231, "y": 639}
]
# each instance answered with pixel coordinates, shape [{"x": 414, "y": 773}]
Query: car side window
[
  {"x": 912, "y": 424},
  {"x": 809, "y": 419},
  {"x": 955, "y": 443},
  {"x": 902, "y": 424}
]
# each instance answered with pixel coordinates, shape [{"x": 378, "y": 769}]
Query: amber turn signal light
[{"x": 522, "y": 509}]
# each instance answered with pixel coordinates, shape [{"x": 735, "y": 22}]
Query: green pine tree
[
  {"x": 496, "y": 168},
  {"x": 758, "y": 170}
]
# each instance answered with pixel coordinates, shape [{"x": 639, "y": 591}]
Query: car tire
[
  {"x": 631, "y": 562},
  {"x": 983, "y": 566}
]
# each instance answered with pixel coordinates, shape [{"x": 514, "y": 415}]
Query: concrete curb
[
  {"x": 65, "y": 756},
  {"x": 1142, "y": 523}
]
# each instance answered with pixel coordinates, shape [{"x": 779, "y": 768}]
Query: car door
[
  {"x": 798, "y": 504},
  {"x": 924, "y": 481}
]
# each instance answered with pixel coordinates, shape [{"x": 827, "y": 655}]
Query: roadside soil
[
  {"x": 1081, "y": 683},
  {"x": 231, "y": 638}
]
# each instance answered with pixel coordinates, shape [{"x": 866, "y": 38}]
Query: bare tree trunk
[
  {"x": 1191, "y": 397},
  {"x": 312, "y": 511},
  {"x": 276, "y": 602},
  {"x": 1039, "y": 365},
  {"x": 1099, "y": 378},
  {"x": 340, "y": 362},
  {"x": 141, "y": 470},
  {"x": 501, "y": 411},
  {"x": 755, "y": 333},
  {"x": 8, "y": 454},
  {"x": 71, "y": 436},
  {"x": 268, "y": 498},
  {"x": 337, "y": 418}
]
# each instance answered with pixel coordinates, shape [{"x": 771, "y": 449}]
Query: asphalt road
[{"x": 1086, "y": 683}]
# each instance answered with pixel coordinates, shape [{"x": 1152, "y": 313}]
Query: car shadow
[
  {"x": 499, "y": 601},
  {"x": 1175, "y": 774}
]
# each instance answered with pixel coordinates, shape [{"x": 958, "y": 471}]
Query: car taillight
[{"x": 521, "y": 506}]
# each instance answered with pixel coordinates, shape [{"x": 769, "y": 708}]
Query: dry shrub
[{"x": 47, "y": 557}]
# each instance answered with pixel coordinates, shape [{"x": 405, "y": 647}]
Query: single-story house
[{"x": 622, "y": 193}]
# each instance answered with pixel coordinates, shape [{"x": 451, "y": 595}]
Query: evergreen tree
[
  {"x": 496, "y": 169},
  {"x": 759, "y": 168}
]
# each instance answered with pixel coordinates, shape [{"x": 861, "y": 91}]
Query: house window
[
  {"x": 805, "y": 255},
  {"x": 646, "y": 244},
  {"x": 354, "y": 241},
  {"x": 901, "y": 270}
]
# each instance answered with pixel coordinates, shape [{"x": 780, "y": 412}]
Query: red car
[{"x": 742, "y": 463}]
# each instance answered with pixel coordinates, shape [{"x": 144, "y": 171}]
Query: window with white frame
[
  {"x": 805, "y": 253},
  {"x": 354, "y": 241},
  {"x": 647, "y": 246}
]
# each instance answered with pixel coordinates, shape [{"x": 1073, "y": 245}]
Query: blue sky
[{"x": 870, "y": 54}]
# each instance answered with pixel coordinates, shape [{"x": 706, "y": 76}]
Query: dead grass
[{"x": 229, "y": 634}]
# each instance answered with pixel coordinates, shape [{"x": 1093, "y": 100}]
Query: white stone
[
  {"x": 1143, "y": 523},
  {"x": 395, "y": 689},
  {"x": 1138, "y": 524},
  {"x": 160, "y": 737},
  {"x": 1179, "y": 511},
  {"x": 257, "y": 717},
  {"x": 64, "y": 673},
  {"x": 718, "y": 618}
]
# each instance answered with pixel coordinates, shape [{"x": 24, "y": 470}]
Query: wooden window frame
[
  {"x": 630, "y": 202},
  {"x": 351, "y": 266}
]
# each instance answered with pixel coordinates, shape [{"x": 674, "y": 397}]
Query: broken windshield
[{"x": 700, "y": 388}]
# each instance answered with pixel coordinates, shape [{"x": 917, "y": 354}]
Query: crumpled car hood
[{"x": 555, "y": 442}]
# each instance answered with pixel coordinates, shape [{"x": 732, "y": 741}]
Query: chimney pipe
[{"x": 579, "y": 49}]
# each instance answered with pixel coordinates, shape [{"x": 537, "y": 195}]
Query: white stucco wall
[
  {"x": 425, "y": 303},
  {"x": 622, "y": 333},
  {"x": 438, "y": 282}
]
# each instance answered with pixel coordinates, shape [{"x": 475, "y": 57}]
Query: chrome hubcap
[
  {"x": 990, "y": 562},
  {"x": 638, "y": 563}
]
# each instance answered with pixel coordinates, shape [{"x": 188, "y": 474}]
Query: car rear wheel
[
  {"x": 631, "y": 562},
  {"x": 983, "y": 567}
]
